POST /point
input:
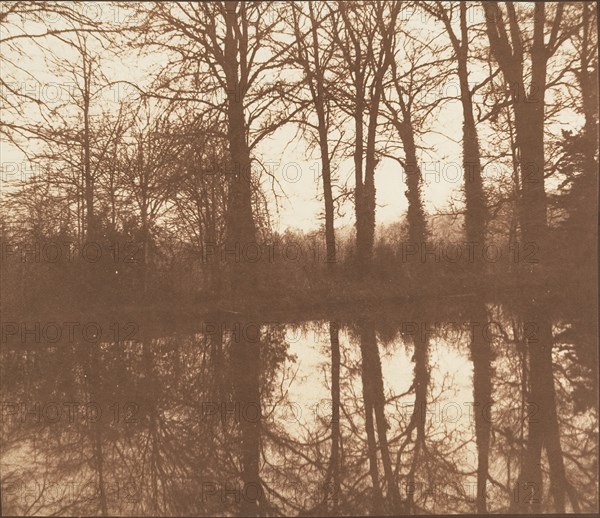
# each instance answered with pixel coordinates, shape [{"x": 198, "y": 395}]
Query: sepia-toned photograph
[{"x": 298, "y": 258}]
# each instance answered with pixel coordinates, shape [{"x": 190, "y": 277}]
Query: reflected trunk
[
  {"x": 92, "y": 370},
  {"x": 334, "y": 462},
  {"x": 543, "y": 426},
  {"x": 422, "y": 374},
  {"x": 481, "y": 356},
  {"x": 151, "y": 393},
  {"x": 374, "y": 396},
  {"x": 245, "y": 357}
]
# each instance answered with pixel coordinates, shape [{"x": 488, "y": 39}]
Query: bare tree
[
  {"x": 228, "y": 53},
  {"x": 363, "y": 33},
  {"x": 476, "y": 210},
  {"x": 314, "y": 52}
]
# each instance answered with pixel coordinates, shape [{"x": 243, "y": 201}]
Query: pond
[{"x": 420, "y": 408}]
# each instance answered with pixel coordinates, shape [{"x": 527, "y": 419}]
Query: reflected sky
[{"x": 170, "y": 424}]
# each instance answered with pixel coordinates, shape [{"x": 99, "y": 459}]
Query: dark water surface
[{"x": 463, "y": 407}]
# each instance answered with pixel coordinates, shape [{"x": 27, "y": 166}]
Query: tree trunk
[
  {"x": 529, "y": 125},
  {"x": 368, "y": 191},
  {"x": 359, "y": 202},
  {"x": 240, "y": 227},
  {"x": 417, "y": 226},
  {"x": 317, "y": 90},
  {"x": 87, "y": 165},
  {"x": 476, "y": 210},
  {"x": 327, "y": 192}
]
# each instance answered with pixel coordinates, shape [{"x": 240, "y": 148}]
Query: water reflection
[{"x": 474, "y": 408}]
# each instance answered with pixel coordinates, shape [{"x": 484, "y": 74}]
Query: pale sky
[{"x": 292, "y": 164}]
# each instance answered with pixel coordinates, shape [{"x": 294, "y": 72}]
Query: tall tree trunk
[
  {"x": 528, "y": 109},
  {"x": 240, "y": 227},
  {"x": 417, "y": 225},
  {"x": 87, "y": 161},
  {"x": 318, "y": 88},
  {"x": 475, "y": 225},
  {"x": 327, "y": 193},
  {"x": 368, "y": 190},
  {"x": 476, "y": 210},
  {"x": 90, "y": 274},
  {"x": 359, "y": 203},
  {"x": 529, "y": 124}
]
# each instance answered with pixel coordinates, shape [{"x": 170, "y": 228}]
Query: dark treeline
[{"x": 164, "y": 194}]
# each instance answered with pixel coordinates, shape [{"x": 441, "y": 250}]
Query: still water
[{"x": 463, "y": 408}]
